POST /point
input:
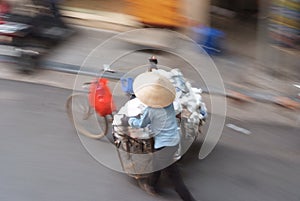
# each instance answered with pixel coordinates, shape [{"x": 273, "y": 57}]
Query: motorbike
[{"x": 32, "y": 34}]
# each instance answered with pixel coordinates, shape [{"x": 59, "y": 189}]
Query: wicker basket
[{"x": 135, "y": 154}]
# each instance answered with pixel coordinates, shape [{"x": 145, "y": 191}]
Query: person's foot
[{"x": 147, "y": 188}]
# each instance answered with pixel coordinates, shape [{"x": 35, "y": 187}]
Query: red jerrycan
[{"x": 100, "y": 97}]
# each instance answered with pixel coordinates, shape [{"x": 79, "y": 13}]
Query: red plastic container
[{"x": 100, "y": 97}]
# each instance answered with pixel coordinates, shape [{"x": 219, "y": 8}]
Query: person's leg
[
  {"x": 153, "y": 179},
  {"x": 180, "y": 188},
  {"x": 161, "y": 158},
  {"x": 145, "y": 185},
  {"x": 149, "y": 184}
]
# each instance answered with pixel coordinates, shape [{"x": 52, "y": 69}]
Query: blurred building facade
[{"x": 265, "y": 30}]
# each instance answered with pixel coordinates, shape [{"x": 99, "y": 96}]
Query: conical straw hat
[{"x": 154, "y": 90}]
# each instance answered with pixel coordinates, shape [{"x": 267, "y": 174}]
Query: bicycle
[
  {"x": 84, "y": 115},
  {"x": 81, "y": 113},
  {"x": 90, "y": 123},
  {"x": 78, "y": 105}
]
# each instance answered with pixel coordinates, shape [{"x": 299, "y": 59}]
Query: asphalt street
[
  {"x": 42, "y": 157},
  {"x": 89, "y": 49}
]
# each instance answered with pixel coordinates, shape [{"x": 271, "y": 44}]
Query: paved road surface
[{"x": 42, "y": 157}]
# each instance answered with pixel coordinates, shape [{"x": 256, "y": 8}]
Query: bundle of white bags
[{"x": 188, "y": 100}]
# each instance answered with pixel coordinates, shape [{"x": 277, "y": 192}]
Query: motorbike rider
[
  {"x": 158, "y": 94},
  {"x": 54, "y": 8}
]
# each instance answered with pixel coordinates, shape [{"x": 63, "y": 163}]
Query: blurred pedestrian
[{"x": 158, "y": 94}]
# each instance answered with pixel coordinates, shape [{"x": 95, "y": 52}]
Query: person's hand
[{"x": 124, "y": 120}]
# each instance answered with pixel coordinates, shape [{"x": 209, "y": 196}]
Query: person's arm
[{"x": 141, "y": 122}]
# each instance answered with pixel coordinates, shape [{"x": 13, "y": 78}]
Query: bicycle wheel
[{"x": 84, "y": 117}]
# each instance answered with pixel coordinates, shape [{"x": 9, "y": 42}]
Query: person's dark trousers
[{"x": 162, "y": 158}]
